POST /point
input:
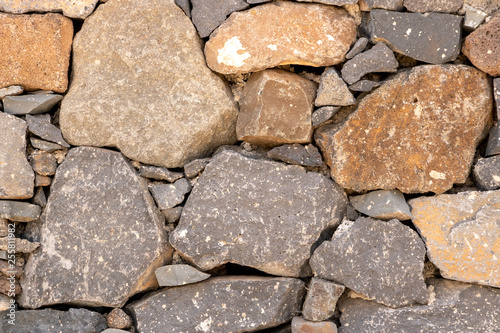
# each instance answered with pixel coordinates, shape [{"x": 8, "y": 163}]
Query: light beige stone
[{"x": 70, "y": 8}]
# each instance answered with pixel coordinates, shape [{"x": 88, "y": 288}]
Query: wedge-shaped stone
[
  {"x": 102, "y": 236},
  {"x": 383, "y": 204},
  {"x": 461, "y": 233},
  {"x": 209, "y": 14},
  {"x": 321, "y": 299},
  {"x": 30, "y": 104},
  {"x": 333, "y": 90},
  {"x": 223, "y": 304},
  {"x": 308, "y": 156},
  {"x": 75, "y": 9},
  {"x": 178, "y": 275},
  {"x": 40, "y": 125},
  {"x": 255, "y": 213},
  {"x": 281, "y": 33},
  {"x": 486, "y": 173}
]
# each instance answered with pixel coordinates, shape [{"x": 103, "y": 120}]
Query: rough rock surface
[
  {"x": 461, "y": 232},
  {"x": 170, "y": 195},
  {"x": 43, "y": 163},
  {"x": 258, "y": 216},
  {"x": 364, "y": 85},
  {"x": 19, "y": 211},
  {"x": 159, "y": 173},
  {"x": 321, "y": 299},
  {"x": 45, "y": 145},
  {"x": 367, "y": 5},
  {"x": 493, "y": 146},
  {"x": 357, "y": 48},
  {"x": 276, "y": 108},
  {"x": 148, "y": 91},
  {"x": 440, "y": 6},
  {"x": 117, "y": 318},
  {"x": 75, "y": 9},
  {"x": 220, "y": 305},
  {"x": 209, "y": 14},
  {"x": 11, "y": 91},
  {"x": 486, "y": 173},
  {"x": 412, "y": 139},
  {"x": 30, "y": 104},
  {"x": 308, "y": 156},
  {"x": 178, "y": 275},
  {"x": 432, "y": 37},
  {"x": 261, "y": 37},
  {"x": 389, "y": 257},
  {"x": 35, "y": 51},
  {"x": 117, "y": 235},
  {"x": 194, "y": 168},
  {"x": 473, "y": 17},
  {"x": 383, "y": 204},
  {"x": 323, "y": 114},
  {"x": 16, "y": 175},
  {"x": 301, "y": 325},
  {"x": 487, "y": 6},
  {"x": 332, "y": 2},
  {"x": 457, "y": 307},
  {"x": 333, "y": 90},
  {"x": 40, "y": 125},
  {"x": 21, "y": 245}
]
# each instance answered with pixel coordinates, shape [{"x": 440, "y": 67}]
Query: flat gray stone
[
  {"x": 159, "y": 173},
  {"x": 321, "y": 299},
  {"x": 439, "y": 6},
  {"x": 323, "y": 114},
  {"x": 383, "y": 260},
  {"x": 172, "y": 215},
  {"x": 16, "y": 175},
  {"x": 207, "y": 15},
  {"x": 377, "y": 59},
  {"x": 178, "y": 275},
  {"x": 40, "y": 126},
  {"x": 432, "y": 37},
  {"x": 333, "y": 90},
  {"x": 367, "y": 5},
  {"x": 493, "y": 145},
  {"x": 11, "y": 91},
  {"x": 357, "y": 48},
  {"x": 170, "y": 195},
  {"x": 297, "y": 154},
  {"x": 102, "y": 208},
  {"x": 473, "y": 17},
  {"x": 45, "y": 145},
  {"x": 185, "y": 5},
  {"x": 19, "y": 211},
  {"x": 332, "y": 2},
  {"x": 194, "y": 168},
  {"x": 456, "y": 307},
  {"x": 223, "y": 304},
  {"x": 383, "y": 205},
  {"x": 254, "y": 213},
  {"x": 364, "y": 85},
  {"x": 486, "y": 173},
  {"x": 30, "y": 104}
]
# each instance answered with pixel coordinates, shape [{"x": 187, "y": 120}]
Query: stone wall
[{"x": 306, "y": 166}]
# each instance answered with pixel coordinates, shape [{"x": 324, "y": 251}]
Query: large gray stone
[
  {"x": 333, "y": 90},
  {"x": 382, "y": 260},
  {"x": 382, "y": 204},
  {"x": 224, "y": 304},
  {"x": 141, "y": 84},
  {"x": 102, "y": 236},
  {"x": 455, "y": 307},
  {"x": 178, "y": 275},
  {"x": 40, "y": 125},
  {"x": 486, "y": 172},
  {"x": 257, "y": 213},
  {"x": 30, "y": 104},
  {"x": 209, "y": 14}
]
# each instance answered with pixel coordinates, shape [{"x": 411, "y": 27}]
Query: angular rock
[
  {"x": 100, "y": 206},
  {"x": 4, "y": 302},
  {"x": 16, "y": 175},
  {"x": 43, "y": 163},
  {"x": 457, "y": 307},
  {"x": 117, "y": 318},
  {"x": 393, "y": 140},
  {"x": 482, "y": 47},
  {"x": 172, "y": 215},
  {"x": 333, "y": 90},
  {"x": 19, "y": 211},
  {"x": 11, "y": 91},
  {"x": 40, "y": 198},
  {"x": 461, "y": 232},
  {"x": 487, "y": 6},
  {"x": 20, "y": 245},
  {"x": 35, "y": 51},
  {"x": 321, "y": 299},
  {"x": 3, "y": 255},
  {"x": 30, "y": 104},
  {"x": 257, "y": 216},
  {"x": 367, "y": 5},
  {"x": 432, "y": 37},
  {"x": 220, "y": 305},
  {"x": 185, "y": 5},
  {"x": 308, "y": 156},
  {"x": 75, "y": 9},
  {"x": 357, "y": 48},
  {"x": 440, "y": 6},
  {"x": 42, "y": 180},
  {"x": 262, "y": 37},
  {"x": 389, "y": 257},
  {"x": 301, "y": 325},
  {"x": 332, "y": 2},
  {"x": 493, "y": 145},
  {"x": 148, "y": 91},
  {"x": 194, "y": 168},
  {"x": 178, "y": 275},
  {"x": 6, "y": 269},
  {"x": 159, "y": 173},
  {"x": 323, "y": 114},
  {"x": 473, "y": 17},
  {"x": 364, "y": 85},
  {"x": 377, "y": 59},
  {"x": 383, "y": 205},
  {"x": 4, "y": 227},
  {"x": 486, "y": 173},
  {"x": 114, "y": 330},
  {"x": 209, "y": 14},
  {"x": 276, "y": 108},
  {"x": 40, "y": 125},
  {"x": 9, "y": 286},
  {"x": 170, "y": 195},
  {"x": 45, "y": 145}
]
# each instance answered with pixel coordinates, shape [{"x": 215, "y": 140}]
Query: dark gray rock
[
  {"x": 54, "y": 321},
  {"x": 40, "y": 126},
  {"x": 19, "y": 211},
  {"x": 170, "y": 195},
  {"x": 382, "y": 260},
  {"x": 382, "y": 204},
  {"x": 433, "y": 38},
  {"x": 455, "y": 307},
  {"x": 440, "y": 6},
  {"x": 40, "y": 198},
  {"x": 357, "y": 48},
  {"x": 377, "y": 59},
  {"x": 194, "y": 168},
  {"x": 11, "y": 91},
  {"x": 308, "y": 156},
  {"x": 323, "y": 114},
  {"x": 178, "y": 275},
  {"x": 364, "y": 85},
  {"x": 493, "y": 145},
  {"x": 102, "y": 236},
  {"x": 172, "y": 215},
  {"x": 487, "y": 173},
  {"x": 321, "y": 299},
  {"x": 333, "y": 90},
  {"x": 185, "y": 5},
  {"x": 367, "y": 5},
  {"x": 255, "y": 213},
  {"x": 159, "y": 173},
  {"x": 43, "y": 163},
  {"x": 45, "y": 145},
  {"x": 30, "y": 104},
  {"x": 207, "y": 15},
  {"x": 220, "y": 305}
]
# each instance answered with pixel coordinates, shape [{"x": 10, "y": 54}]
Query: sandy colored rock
[
  {"x": 281, "y": 33},
  {"x": 461, "y": 232},
  {"x": 405, "y": 136},
  {"x": 321, "y": 299},
  {"x": 333, "y": 90},
  {"x": 73, "y": 8},
  {"x": 35, "y": 51},
  {"x": 487, "y": 6},
  {"x": 117, "y": 318},
  {"x": 148, "y": 91},
  {"x": 301, "y": 325},
  {"x": 367, "y": 5}
]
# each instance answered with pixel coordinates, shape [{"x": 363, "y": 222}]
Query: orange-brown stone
[
  {"x": 417, "y": 133},
  {"x": 281, "y": 33},
  {"x": 35, "y": 51}
]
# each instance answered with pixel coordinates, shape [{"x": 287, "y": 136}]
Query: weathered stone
[
  {"x": 461, "y": 234},
  {"x": 388, "y": 255},
  {"x": 11, "y": 91},
  {"x": 493, "y": 145},
  {"x": 7, "y": 269},
  {"x": 42, "y": 180},
  {"x": 4, "y": 227},
  {"x": 377, "y": 59},
  {"x": 209, "y": 14},
  {"x": 19, "y": 211},
  {"x": 43, "y": 163},
  {"x": 21, "y": 245},
  {"x": 146, "y": 93},
  {"x": 261, "y": 37},
  {"x": 30, "y": 104},
  {"x": 333, "y": 90},
  {"x": 35, "y": 51},
  {"x": 257, "y": 217},
  {"x": 367, "y": 5},
  {"x": 76, "y": 9},
  {"x": 357, "y": 48},
  {"x": 440, "y": 6},
  {"x": 170, "y": 195},
  {"x": 45, "y": 145},
  {"x": 432, "y": 37},
  {"x": 301, "y": 325},
  {"x": 16, "y": 175},
  {"x": 159, "y": 173},
  {"x": 487, "y": 6},
  {"x": 482, "y": 47},
  {"x": 323, "y": 114},
  {"x": 9, "y": 285},
  {"x": 332, "y": 2},
  {"x": 456, "y": 307},
  {"x": 3, "y": 255},
  {"x": 297, "y": 154},
  {"x": 276, "y": 108},
  {"x": 473, "y": 17},
  {"x": 383, "y": 204},
  {"x": 364, "y": 85},
  {"x": 321, "y": 299},
  {"x": 40, "y": 198},
  {"x": 178, "y": 275},
  {"x": 194, "y": 168},
  {"x": 114, "y": 330},
  {"x": 220, "y": 305},
  {"x": 4, "y": 302},
  {"x": 40, "y": 125},
  {"x": 394, "y": 141},
  {"x": 100, "y": 206},
  {"x": 172, "y": 215},
  {"x": 117, "y": 318},
  {"x": 54, "y": 321},
  {"x": 486, "y": 173},
  {"x": 185, "y": 5}
]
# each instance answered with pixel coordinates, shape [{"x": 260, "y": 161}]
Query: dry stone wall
[{"x": 225, "y": 166}]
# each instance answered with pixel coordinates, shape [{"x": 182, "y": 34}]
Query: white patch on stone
[
  {"x": 205, "y": 325},
  {"x": 408, "y": 31},
  {"x": 437, "y": 175},
  {"x": 272, "y": 47},
  {"x": 230, "y": 54},
  {"x": 496, "y": 178},
  {"x": 330, "y": 37}
]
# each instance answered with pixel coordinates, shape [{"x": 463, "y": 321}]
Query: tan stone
[
  {"x": 35, "y": 51},
  {"x": 461, "y": 233},
  {"x": 417, "y": 132},
  {"x": 281, "y": 33},
  {"x": 72, "y": 8},
  {"x": 276, "y": 108}
]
